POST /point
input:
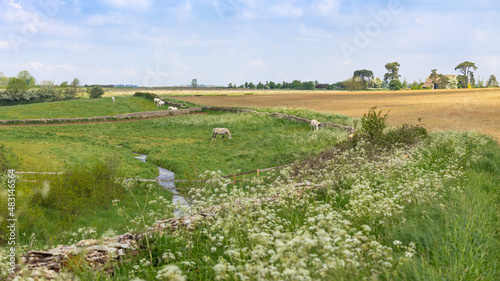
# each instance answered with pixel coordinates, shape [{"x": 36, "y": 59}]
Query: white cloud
[
  {"x": 130, "y": 4},
  {"x": 287, "y": 10},
  {"x": 325, "y": 6},
  {"x": 4, "y": 45},
  {"x": 105, "y": 19}
]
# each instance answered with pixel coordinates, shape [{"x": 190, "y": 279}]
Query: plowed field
[{"x": 470, "y": 109}]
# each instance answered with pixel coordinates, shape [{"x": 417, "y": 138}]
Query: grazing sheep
[
  {"x": 160, "y": 103},
  {"x": 220, "y": 131},
  {"x": 113, "y": 98},
  {"x": 172, "y": 108},
  {"x": 156, "y": 100},
  {"x": 315, "y": 124}
]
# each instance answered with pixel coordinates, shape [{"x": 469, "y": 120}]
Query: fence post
[
  {"x": 234, "y": 178},
  {"x": 257, "y": 172}
]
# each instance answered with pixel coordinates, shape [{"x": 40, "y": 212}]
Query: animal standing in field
[
  {"x": 160, "y": 103},
  {"x": 315, "y": 124},
  {"x": 220, "y": 131},
  {"x": 172, "y": 108},
  {"x": 156, "y": 100},
  {"x": 113, "y": 98}
]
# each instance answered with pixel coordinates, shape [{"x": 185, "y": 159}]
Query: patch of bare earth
[{"x": 468, "y": 109}]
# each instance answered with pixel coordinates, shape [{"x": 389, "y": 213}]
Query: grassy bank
[{"x": 78, "y": 108}]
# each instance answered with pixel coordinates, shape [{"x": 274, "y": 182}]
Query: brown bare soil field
[{"x": 467, "y": 109}]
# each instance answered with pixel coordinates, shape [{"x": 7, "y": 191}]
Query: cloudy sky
[{"x": 154, "y": 43}]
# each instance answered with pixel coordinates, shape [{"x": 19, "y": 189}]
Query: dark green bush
[
  {"x": 95, "y": 92},
  {"x": 147, "y": 95},
  {"x": 373, "y": 123},
  {"x": 395, "y": 85}
]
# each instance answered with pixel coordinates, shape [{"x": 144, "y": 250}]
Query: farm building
[{"x": 428, "y": 82}]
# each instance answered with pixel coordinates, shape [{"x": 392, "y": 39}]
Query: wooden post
[
  {"x": 257, "y": 172},
  {"x": 234, "y": 178}
]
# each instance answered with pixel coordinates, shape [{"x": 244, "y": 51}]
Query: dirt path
[{"x": 476, "y": 109}]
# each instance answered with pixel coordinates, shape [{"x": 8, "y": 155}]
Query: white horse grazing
[
  {"x": 156, "y": 100},
  {"x": 160, "y": 103},
  {"x": 315, "y": 124},
  {"x": 113, "y": 98},
  {"x": 220, "y": 131}
]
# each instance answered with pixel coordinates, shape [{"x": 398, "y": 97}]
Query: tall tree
[
  {"x": 466, "y": 68},
  {"x": 492, "y": 81},
  {"x": 3, "y": 79},
  {"x": 393, "y": 70},
  {"x": 27, "y": 78},
  {"x": 194, "y": 83},
  {"x": 75, "y": 83},
  {"x": 365, "y": 75},
  {"x": 434, "y": 76}
]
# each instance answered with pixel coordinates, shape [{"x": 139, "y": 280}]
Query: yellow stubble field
[{"x": 464, "y": 109}]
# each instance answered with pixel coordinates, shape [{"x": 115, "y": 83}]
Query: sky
[{"x": 166, "y": 43}]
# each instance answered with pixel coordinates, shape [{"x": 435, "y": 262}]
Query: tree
[
  {"x": 75, "y": 83},
  {"x": 3, "y": 79},
  {"x": 251, "y": 85},
  {"x": 260, "y": 85},
  {"x": 365, "y": 75},
  {"x": 16, "y": 87},
  {"x": 442, "y": 82},
  {"x": 246, "y": 84},
  {"x": 376, "y": 83},
  {"x": 194, "y": 83},
  {"x": 353, "y": 84},
  {"x": 272, "y": 85},
  {"x": 462, "y": 81},
  {"x": 230, "y": 85},
  {"x": 95, "y": 92},
  {"x": 296, "y": 84},
  {"x": 393, "y": 70},
  {"x": 434, "y": 76},
  {"x": 492, "y": 81},
  {"x": 27, "y": 77},
  {"x": 395, "y": 85},
  {"x": 309, "y": 85},
  {"x": 466, "y": 69}
]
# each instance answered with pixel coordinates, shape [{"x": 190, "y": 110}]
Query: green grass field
[{"x": 78, "y": 108}]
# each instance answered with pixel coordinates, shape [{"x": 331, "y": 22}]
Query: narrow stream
[{"x": 169, "y": 175}]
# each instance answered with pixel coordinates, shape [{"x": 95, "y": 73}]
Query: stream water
[{"x": 165, "y": 174}]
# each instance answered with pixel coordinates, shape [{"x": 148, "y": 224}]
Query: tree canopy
[
  {"x": 365, "y": 75},
  {"x": 393, "y": 71},
  {"x": 466, "y": 68}
]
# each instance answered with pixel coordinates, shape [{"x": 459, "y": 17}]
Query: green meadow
[{"x": 78, "y": 108}]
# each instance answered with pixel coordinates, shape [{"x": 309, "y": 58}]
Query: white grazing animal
[
  {"x": 160, "y": 103},
  {"x": 172, "y": 108},
  {"x": 315, "y": 124},
  {"x": 220, "y": 131},
  {"x": 113, "y": 98},
  {"x": 156, "y": 100}
]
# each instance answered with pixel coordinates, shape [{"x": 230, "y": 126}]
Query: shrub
[
  {"x": 95, "y": 92},
  {"x": 373, "y": 124},
  {"x": 147, "y": 95},
  {"x": 395, "y": 85}
]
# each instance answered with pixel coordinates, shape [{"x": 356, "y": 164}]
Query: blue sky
[{"x": 156, "y": 43}]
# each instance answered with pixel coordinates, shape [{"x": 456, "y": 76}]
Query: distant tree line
[
  {"x": 23, "y": 89},
  {"x": 364, "y": 79}
]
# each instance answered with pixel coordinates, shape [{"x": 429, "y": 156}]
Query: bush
[
  {"x": 95, "y": 92},
  {"x": 395, "y": 85},
  {"x": 373, "y": 124},
  {"x": 150, "y": 96}
]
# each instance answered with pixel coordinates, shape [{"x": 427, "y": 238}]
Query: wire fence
[{"x": 258, "y": 171}]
